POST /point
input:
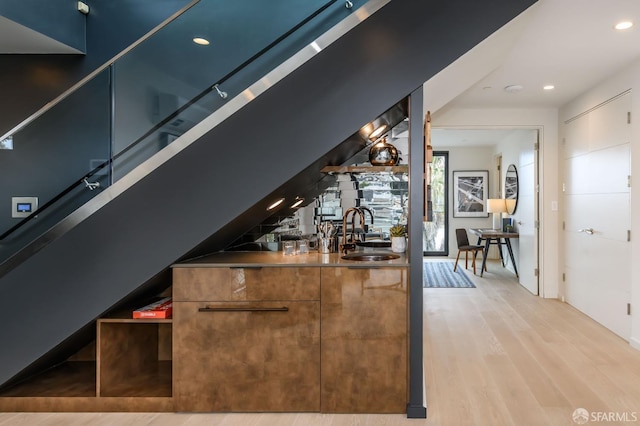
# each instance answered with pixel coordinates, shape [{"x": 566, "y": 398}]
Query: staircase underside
[{"x": 217, "y": 188}]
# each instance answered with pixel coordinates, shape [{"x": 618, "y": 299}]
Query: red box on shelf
[{"x": 161, "y": 309}]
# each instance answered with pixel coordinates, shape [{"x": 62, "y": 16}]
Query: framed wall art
[{"x": 470, "y": 193}]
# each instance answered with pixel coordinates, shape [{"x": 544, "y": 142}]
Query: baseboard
[
  {"x": 419, "y": 411},
  {"x": 416, "y": 412},
  {"x": 635, "y": 343}
]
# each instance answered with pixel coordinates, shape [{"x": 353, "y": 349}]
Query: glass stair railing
[{"x": 130, "y": 109}]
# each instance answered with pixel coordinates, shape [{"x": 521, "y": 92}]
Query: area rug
[{"x": 441, "y": 275}]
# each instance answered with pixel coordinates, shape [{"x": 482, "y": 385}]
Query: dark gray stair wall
[{"x": 231, "y": 170}]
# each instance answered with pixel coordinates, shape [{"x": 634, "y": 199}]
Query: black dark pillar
[{"x": 416, "y": 408}]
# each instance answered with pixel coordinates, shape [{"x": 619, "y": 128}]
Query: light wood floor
[{"x": 494, "y": 355}]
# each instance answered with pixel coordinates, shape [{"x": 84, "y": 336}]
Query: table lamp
[{"x": 497, "y": 206}]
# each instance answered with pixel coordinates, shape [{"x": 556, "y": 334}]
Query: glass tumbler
[
  {"x": 289, "y": 248},
  {"x": 303, "y": 246}
]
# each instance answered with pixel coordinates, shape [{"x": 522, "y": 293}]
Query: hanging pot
[{"x": 383, "y": 154}]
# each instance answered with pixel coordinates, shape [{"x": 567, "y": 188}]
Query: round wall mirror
[{"x": 511, "y": 189}]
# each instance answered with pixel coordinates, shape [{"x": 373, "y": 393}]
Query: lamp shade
[{"x": 496, "y": 205}]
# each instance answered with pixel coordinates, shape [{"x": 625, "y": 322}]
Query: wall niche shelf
[
  {"x": 128, "y": 368},
  {"x": 365, "y": 169},
  {"x": 133, "y": 357}
]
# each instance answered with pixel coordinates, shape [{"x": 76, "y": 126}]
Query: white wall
[
  {"x": 627, "y": 78},
  {"x": 546, "y": 121},
  {"x": 514, "y": 149}
]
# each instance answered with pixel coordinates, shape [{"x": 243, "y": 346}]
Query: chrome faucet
[{"x": 349, "y": 243}]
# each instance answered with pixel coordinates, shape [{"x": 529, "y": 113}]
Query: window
[{"x": 435, "y": 241}]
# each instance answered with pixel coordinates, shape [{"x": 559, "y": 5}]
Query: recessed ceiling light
[
  {"x": 297, "y": 203},
  {"x": 623, "y": 25},
  {"x": 275, "y": 204},
  {"x": 377, "y": 132},
  {"x": 201, "y": 41},
  {"x": 549, "y": 87}
]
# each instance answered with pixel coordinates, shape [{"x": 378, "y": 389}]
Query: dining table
[{"x": 488, "y": 237}]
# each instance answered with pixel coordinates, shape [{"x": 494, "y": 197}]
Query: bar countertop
[{"x": 277, "y": 259}]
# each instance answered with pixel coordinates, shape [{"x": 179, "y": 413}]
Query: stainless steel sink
[
  {"x": 374, "y": 244},
  {"x": 370, "y": 257}
]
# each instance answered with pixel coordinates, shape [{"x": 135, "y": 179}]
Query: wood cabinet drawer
[
  {"x": 246, "y": 284},
  {"x": 255, "y": 356}
]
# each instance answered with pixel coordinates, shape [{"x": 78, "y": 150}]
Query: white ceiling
[
  {"x": 445, "y": 138},
  {"x": 570, "y": 44}
]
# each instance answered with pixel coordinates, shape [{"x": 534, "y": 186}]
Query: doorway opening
[{"x": 492, "y": 150}]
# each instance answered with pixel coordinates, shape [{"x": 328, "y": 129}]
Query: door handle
[{"x": 589, "y": 231}]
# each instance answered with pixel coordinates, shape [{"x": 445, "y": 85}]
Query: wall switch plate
[{"x": 23, "y": 206}]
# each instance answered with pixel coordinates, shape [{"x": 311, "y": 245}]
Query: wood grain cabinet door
[
  {"x": 247, "y": 356},
  {"x": 364, "y": 340}
]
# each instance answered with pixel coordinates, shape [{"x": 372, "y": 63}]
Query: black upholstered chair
[{"x": 464, "y": 246}]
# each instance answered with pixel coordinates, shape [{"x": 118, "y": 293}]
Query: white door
[
  {"x": 526, "y": 215},
  {"x": 597, "y": 214}
]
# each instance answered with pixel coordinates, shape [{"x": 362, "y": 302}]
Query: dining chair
[{"x": 464, "y": 246}]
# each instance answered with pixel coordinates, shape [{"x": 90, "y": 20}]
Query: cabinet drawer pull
[
  {"x": 361, "y": 267},
  {"x": 242, "y": 309},
  {"x": 245, "y": 267}
]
